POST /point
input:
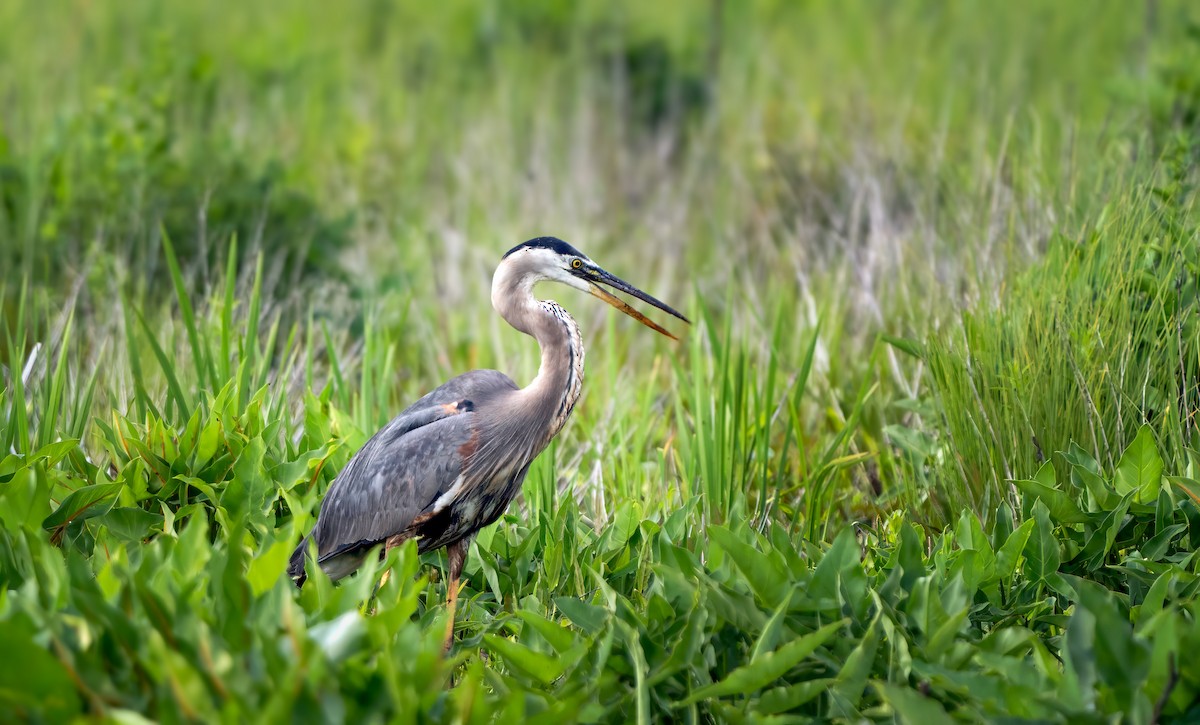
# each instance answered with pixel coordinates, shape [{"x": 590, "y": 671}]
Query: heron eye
[{"x": 576, "y": 263}]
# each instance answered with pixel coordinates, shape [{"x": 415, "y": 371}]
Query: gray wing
[{"x": 400, "y": 473}]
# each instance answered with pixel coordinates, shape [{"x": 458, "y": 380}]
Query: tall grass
[
  {"x": 1095, "y": 341},
  {"x": 925, "y": 247}
]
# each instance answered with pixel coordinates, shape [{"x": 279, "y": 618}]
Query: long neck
[
  {"x": 548, "y": 400},
  {"x": 559, "y": 380}
]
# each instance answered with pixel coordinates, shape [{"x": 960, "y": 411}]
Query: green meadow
[{"x": 927, "y": 453}]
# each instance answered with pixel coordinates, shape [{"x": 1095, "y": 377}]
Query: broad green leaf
[
  {"x": 519, "y": 657},
  {"x": 248, "y": 491},
  {"x": 768, "y": 668},
  {"x": 912, "y": 707},
  {"x": 854, "y": 674},
  {"x": 52, "y": 453},
  {"x": 1156, "y": 548},
  {"x": 769, "y": 639},
  {"x": 1045, "y": 475},
  {"x": 1010, "y": 552},
  {"x": 910, "y": 556},
  {"x": 769, "y": 581},
  {"x": 9, "y": 465},
  {"x": 1042, "y": 555},
  {"x": 1140, "y": 468},
  {"x": 969, "y": 533},
  {"x": 1104, "y": 536},
  {"x": 924, "y": 607},
  {"x": 687, "y": 648},
  {"x": 1190, "y": 487},
  {"x": 1164, "y": 509},
  {"x": 1122, "y": 661},
  {"x": 24, "y": 499},
  {"x": 587, "y": 617},
  {"x": 302, "y": 469},
  {"x": 129, "y": 523},
  {"x": 1086, "y": 474},
  {"x": 79, "y": 502},
  {"x": 341, "y": 637},
  {"x": 1155, "y": 597},
  {"x": 210, "y": 438},
  {"x": 790, "y": 697},
  {"x": 33, "y": 683},
  {"x": 1062, "y": 509},
  {"x": 1002, "y": 525},
  {"x": 946, "y": 633},
  {"x": 559, "y": 637},
  {"x": 907, "y": 345},
  {"x": 266, "y": 568},
  {"x": 842, "y": 556}
]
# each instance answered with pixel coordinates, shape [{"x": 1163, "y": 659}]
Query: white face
[{"x": 536, "y": 264}]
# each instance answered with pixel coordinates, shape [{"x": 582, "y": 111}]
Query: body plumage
[{"x": 453, "y": 461}]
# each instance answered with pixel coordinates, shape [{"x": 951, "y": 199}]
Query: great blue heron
[{"x": 452, "y": 461}]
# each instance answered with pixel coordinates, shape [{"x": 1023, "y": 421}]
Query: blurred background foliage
[{"x": 928, "y": 452}]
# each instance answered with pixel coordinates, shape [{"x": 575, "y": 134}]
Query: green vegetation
[{"x": 929, "y": 452}]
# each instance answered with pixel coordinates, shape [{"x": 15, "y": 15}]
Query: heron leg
[
  {"x": 391, "y": 543},
  {"x": 456, "y": 554}
]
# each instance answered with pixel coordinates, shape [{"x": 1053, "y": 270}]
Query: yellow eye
[{"x": 576, "y": 263}]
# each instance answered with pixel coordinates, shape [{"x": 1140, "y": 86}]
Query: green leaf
[
  {"x": 910, "y": 555},
  {"x": 1046, "y": 476},
  {"x": 1140, "y": 468},
  {"x": 1042, "y": 555},
  {"x": 54, "y": 452},
  {"x": 1190, "y": 488},
  {"x": 129, "y": 523},
  {"x": 559, "y": 637},
  {"x": 1156, "y": 548},
  {"x": 1122, "y": 661},
  {"x": 25, "y": 499},
  {"x": 79, "y": 501},
  {"x": 906, "y": 345},
  {"x": 302, "y": 469},
  {"x": 588, "y": 617},
  {"x": 1104, "y": 536},
  {"x": 769, "y": 581},
  {"x": 210, "y": 436},
  {"x": 33, "y": 683},
  {"x": 266, "y": 568},
  {"x": 521, "y": 658},
  {"x": 977, "y": 562},
  {"x": 842, "y": 556},
  {"x": 1061, "y": 507},
  {"x": 1002, "y": 526},
  {"x": 1010, "y": 552},
  {"x": 247, "y": 492},
  {"x": 769, "y": 639},
  {"x": 1086, "y": 474},
  {"x": 341, "y": 637},
  {"x": 686, "y": 648},
  {"x": 782, "y": 699},
  {"x": 911, "y": 706},
  {"x": 853, "y": 677},
  {"x": 769, "y": 667}
]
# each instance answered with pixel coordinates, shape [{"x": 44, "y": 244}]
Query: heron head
[{"x": 552, "y": 259}]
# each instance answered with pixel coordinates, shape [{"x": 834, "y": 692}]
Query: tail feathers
[{"x": 296, "y": 563}]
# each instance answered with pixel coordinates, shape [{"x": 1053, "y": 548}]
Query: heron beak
[{"x": 596, "y": 275}]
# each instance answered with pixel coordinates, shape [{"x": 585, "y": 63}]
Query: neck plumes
[
  {"x": 560, "y": 376},
  {"x": 548, "y": 400}
]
